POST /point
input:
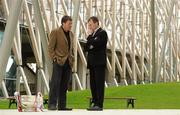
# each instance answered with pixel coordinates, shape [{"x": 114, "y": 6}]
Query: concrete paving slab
[{"x": 104, "y": 112}]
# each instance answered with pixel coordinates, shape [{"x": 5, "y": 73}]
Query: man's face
[
  {"x": 67, "y": 25},
  {"x": 92, "y": 26}
]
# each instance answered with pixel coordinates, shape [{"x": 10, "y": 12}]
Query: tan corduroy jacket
[{"x": 58, "y": 47}]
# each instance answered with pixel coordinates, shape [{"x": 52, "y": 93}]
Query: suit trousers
[
  {"x": 97, "y": 81},
  {"x": 59, "y": 84}
]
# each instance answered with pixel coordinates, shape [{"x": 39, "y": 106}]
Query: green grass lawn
[{"x": 151, "y": 96}]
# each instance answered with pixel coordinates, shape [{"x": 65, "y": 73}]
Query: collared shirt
[
  {"x": 67, "y": 37},
  {"x": 95, "y": 31}
]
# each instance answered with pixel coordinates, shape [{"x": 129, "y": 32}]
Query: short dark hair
[
  {"x": 94, "y": 19},
  {"x": 65, "y": 19}
]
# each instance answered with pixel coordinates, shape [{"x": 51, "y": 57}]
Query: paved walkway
[{"x": 104, "y": 112}]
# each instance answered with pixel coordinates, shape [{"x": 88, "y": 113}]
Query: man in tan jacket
[{"x": 60, "y": 50}]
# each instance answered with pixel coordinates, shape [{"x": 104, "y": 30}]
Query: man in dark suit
[
  {"x": 96, "y": 59},
  {"x": 60, "y": 49}
]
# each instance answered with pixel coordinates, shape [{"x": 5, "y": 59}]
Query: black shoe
[
  {"x": 65, "y": 109},
  {"x": 95, "y": 108},
  {"x": 52, "y": 108}
]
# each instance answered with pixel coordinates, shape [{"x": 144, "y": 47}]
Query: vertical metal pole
[
  {"x": 164, "y": 63},
  {"x": 164, "y": 72},
  {"x": 113, "y": 40},
  {"x": 18, "y": 75},
  {"x": 153, "y": 29},
  {"x": 177, "y": 52},
  {"x": 176, "y": 44},
  {"x": 134, "y": 80},
  {"x": 157, "y": 40},
  {"x": 18, "y": 38},
  {"x": 53, "y": 14},
  {"x": 75, "y": 14},
  {"x": 170, "y": 57},
  {"x": 123, "y": 77},
  {"x": 90, "y": 8},
  {"x": 103, "y": 13},
  {"x": 142, "y": 47},
  {"x": 39, "y": 81},
  {"x": 40, "y": 87},
  {"x": 150, "y": 56},
  {"x": 75, "y": 20}
]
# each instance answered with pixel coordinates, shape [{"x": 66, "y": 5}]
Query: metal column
[
  {"x": 44, "y": 39},
  {"x": 75, "y": 75},
  {"x": 7, "y": 41},
  {"x": 123, "y": 77},
  {"x": 134, "y": 79}
]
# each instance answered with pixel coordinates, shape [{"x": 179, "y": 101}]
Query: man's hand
[{"x": 89, "y": 32}]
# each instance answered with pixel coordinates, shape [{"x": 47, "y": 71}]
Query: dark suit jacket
[{"x": 96, "y": 48}]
